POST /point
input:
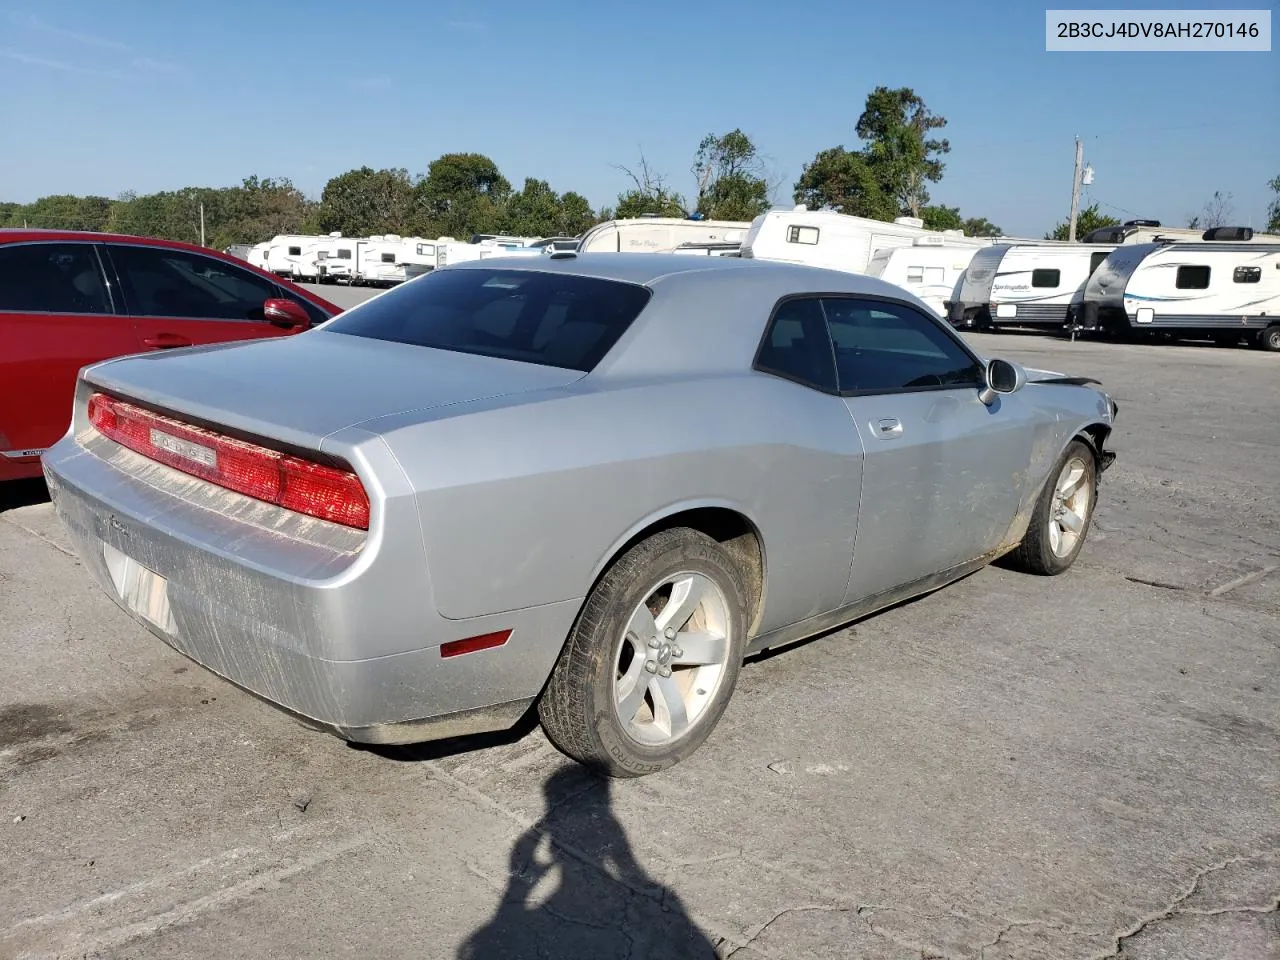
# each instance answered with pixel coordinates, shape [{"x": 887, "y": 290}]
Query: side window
[
  {"x": 935, "y": 275},
  {"x": 159, "y": 282},
  {"x": 915, "y": 274},
  {"x": 1247, "y": 275},
  {"x": 1095, "y": 261},
  {"x": 799, "y": 234},
  {"x": 295, "y": 251},
  {"x": 1046, "y": 278},
  {"x": 1192, "y": 278},
  {"x": 388, "y": 258},
  {"x": 51, "y": 278},
  {"x": 796, "y": 345},
  {"x": 882, "y": 347}
]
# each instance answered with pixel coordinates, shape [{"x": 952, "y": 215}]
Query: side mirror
[
  {"x": 1003, "y": 376},
  {"x": 285, "y": 313}
]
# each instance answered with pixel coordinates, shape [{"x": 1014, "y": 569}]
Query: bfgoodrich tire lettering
[
  {"x": 653, "y": 658},
  {"x": 1062, "y": 516}
]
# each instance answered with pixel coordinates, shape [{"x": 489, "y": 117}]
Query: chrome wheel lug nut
[
  {"x": 653, "y": 643},
  {"x": 664, "y": 671},
  {"x": 652, "y": 666},
  {"x": 677, "y": 652},
  {"x": 670, "y": 633}
]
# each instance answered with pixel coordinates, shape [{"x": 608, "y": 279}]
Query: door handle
[
  {"x": 165, "y": 341},
  {"x": 888, "y": 429}
]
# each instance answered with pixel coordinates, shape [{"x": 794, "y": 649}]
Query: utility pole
[
  {"x": 1075, "y": 191},
  {"x": 1073, "y": 212}
]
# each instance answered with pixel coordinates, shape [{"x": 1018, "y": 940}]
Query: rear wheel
[
  {"x": 1062, "y": 515},
  {"x": 653, "y": 658},
  {"x": 1269, "y": 339}
]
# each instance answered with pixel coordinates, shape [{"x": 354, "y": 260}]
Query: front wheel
[
  {"x": 653, "y": 658},
  {"x": 1062, "y": 515}
]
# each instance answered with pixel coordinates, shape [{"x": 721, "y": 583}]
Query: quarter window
[
  {"x": 159, "y": 282},
  {"x": 51, "y": 278},
  {"x": 1192, "y": 278},
  {"x": 797, "y": 346},
  {"x": 797, "y": 234},
  {"x": 1247, "y": 275},
  {"x": 885, "y": 347},
  {"x": 1046, "y": 278}
]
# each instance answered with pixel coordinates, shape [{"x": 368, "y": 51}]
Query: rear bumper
[{"x": 346, "y": 640}]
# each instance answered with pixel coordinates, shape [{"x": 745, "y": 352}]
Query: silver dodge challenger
[{"x": 590, "y": 483}]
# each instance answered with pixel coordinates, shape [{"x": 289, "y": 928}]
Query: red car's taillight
[{"x": 287, "y": 481}]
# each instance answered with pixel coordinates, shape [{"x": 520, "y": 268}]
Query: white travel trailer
[
  {"x": 1226, "y": 287},
  {"x": 823, "y": 238},
  {"x": 286, "y": 252},
  {"x": 658, "y": 234},
  {"x": 450, "y": 251},
  {"x": 392, "y": 259},
  {"x": 313, "y": 252},
  {"x": 728, "y": 249},
  {"x": 343, "y": 260},
  {"x": 930, "y": 268},
  {"x": 257, "y": 255},
  {"x": 1032, "y": 284}
]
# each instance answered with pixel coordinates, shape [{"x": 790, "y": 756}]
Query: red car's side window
[
  {"x": 51, "y": 278},
  {"x": 160, "y": 282}
]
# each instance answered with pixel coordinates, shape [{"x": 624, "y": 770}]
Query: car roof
[
  {"x": 649, "y": 269},
  {"x": 16, "y": 234}
]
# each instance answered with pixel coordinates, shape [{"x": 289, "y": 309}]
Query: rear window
[{"x": 526, "y": 315}]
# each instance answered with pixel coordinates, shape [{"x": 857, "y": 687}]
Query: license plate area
[{"x": 142, "y": 591}]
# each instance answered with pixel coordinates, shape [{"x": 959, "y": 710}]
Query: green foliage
[
  {"x": 886, "y": 178},
  {"x": 843, "y": 180},
  {"x": 980, "y": 227},
  {"x": 538, "y": 211},
  {"x": 60, "y": 212},
  {"x": 363, "y": 202},
  {"x": 462, "y": 194},
  {"x": 659, "y": 202},
  {"x": 896, "y": 126},
  {"x": 731, "y": 178},
  {"x": 1087, "y": 220},
  {"x": 941, "y": 218},
  {"x": 1273, "y": 209}
]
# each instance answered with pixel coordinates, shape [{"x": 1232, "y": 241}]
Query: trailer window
[
  {"x": 426, "y": 250},
  {"x": 343, "y": 255},
  {"x": 915, "y": 274},
  {"x": 935, "y": 274},
  {"x": 1095, "y": 261},
  {"x": 1247, "y": 275},
  {"x": 295, "y": 251},
  {"x": 797, "y": 234},
  {"x": 388, "y": 258},
  {"x": 1192, "y": 278},
  {"x": 1046, "y": 278}
]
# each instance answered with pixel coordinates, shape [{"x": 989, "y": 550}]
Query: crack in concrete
[{"x": 1175, "y": 907}]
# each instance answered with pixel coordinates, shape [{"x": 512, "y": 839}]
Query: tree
[
  {"x": 1217, "y": 212},
  {"x": 1273, "y": 209},
  {"x": 842, "y": 180},
  {"x": 365, "y": 201},
  {"x": 731, "y": 177},
  {"x": 980, "y": 227},
  {"x": 895, "y": 124},
  {"x": 941, "y": 218},
  {"x": 576, "y": 215},
  {"x": 1089, "y": 219},
  {"x": 462, "y": 194},
  {"x": 651, "y": 195}
]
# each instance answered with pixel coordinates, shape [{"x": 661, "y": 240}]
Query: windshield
[{"x": 545, "y": 318}]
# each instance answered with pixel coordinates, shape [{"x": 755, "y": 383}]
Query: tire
[
  {"x": 621, "y": 650},
  {"x": 1269, "y": 339},
  {"x": 1046, "y": 549}
]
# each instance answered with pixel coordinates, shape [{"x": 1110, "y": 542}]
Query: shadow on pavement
[
  {"x": 22, "y": 493},
  {"x": 574, "y": 890}
]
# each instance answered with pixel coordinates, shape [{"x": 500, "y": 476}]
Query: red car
[{"x": 69, "y": 298}]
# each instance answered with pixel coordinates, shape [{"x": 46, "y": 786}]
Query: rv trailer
[
  {"x": 930, "y": 268},
  {"x": 658, "y": 234},
  {"x": 823, "y": 238},
  {"x": 1225, "y": 287}
]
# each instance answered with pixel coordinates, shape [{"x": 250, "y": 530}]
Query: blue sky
[{"x": 150, "y": 95}]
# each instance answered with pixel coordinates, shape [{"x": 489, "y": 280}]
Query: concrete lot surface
[{"x": 1085, "y": 766}]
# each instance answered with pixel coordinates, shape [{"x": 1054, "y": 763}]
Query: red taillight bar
[{"x": 264, "y": 474}]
